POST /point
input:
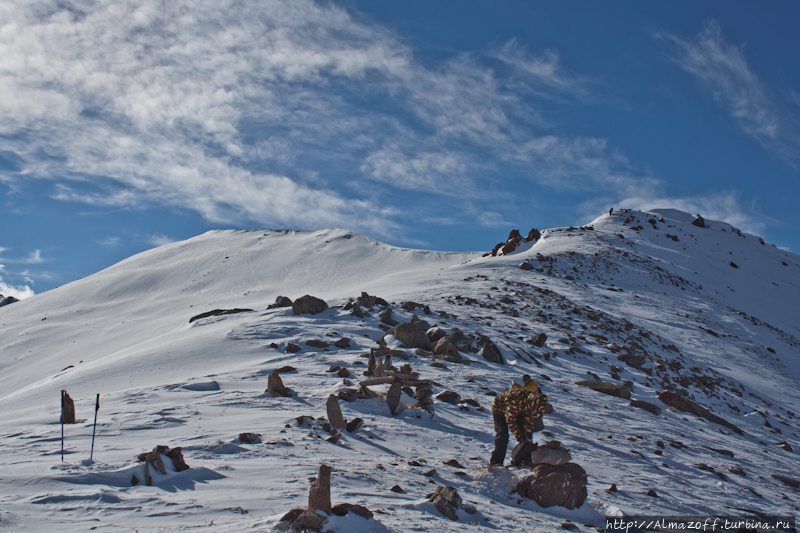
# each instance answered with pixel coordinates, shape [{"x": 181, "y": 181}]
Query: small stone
[
  {"x": 344, "y": 342},
  {"x": 397, "y": 488},
  {"x": 652, "y": 493},
  {"x": 292, "y": 348}
]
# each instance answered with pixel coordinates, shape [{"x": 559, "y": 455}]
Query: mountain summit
[{"x": 694, "y": 321}]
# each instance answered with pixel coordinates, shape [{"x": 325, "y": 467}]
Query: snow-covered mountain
[{"x": 708, "y": 313}]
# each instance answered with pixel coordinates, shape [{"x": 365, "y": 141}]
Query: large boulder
[
  {"x": 412, "y": 335},
  {"x": 549, "y": 485},
  {"x": 308, "y": 305},
  {"x": 491, "y": 353}
]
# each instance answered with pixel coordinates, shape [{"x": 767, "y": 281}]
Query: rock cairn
[
  {"x": 381, "y": 371},
  {"x": 155, "y": 459},
  {"x": 319, "y": 507}
]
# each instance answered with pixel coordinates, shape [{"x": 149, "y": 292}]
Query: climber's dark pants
[{"x": 500, "y": 438}]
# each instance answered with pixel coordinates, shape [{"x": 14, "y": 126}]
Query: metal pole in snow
[
  {"x": 62, "y": 425},
  {"x": 96, "y": 408}
]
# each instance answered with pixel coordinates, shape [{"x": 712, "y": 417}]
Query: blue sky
[{"x": 128, "y": 124}]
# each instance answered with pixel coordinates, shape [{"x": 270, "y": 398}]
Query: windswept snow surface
[{"x": 713, "y": 310}]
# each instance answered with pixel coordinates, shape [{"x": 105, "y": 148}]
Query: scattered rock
[
  {"x": 685, "y": 405},
  {"x": 343, "y": 343},
  {"x": 219, "y": 312},
  {"x": 491, "y": 353},
  {"x": 699, "y": 221},
  {"x": 448, "y": 396},
  {"x": 275, "y": 385},
  {"x": 386, "y": 317},
  {"x": 335, "y": 412},
  {"x": 310, "y": 520},
  {"x": 317, "y": 343},
  {"x": 446, "y": 500},
  {"x": 249, "y": 438},
  {"x": 652, "y": 493},
  {"x": 612, "y": 389},
  {"x": 281, "y": 301},
  {"x": 787, "y": 481},
  {"x": 341, "y": 509},
  {"x": 612, "y": 488},
  {"x": 526, "y": 266},
  {"x": 397, "y": 488},
  {"x": 354, "y": 425},
  {"x": 292, "y": 347},
  {"x": 308, "y": 305},
  {"x": 411, "y": 335},
  {"x": 647, "y": 406},
  {"x": 538, "y": 340}
]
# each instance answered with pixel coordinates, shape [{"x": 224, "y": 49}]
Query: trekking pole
[
  {"x": 96, "y": 408},
  {"x": 62, "y": 425}
]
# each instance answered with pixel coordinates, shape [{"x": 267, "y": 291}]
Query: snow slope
[{"x": 727, "y": 335}]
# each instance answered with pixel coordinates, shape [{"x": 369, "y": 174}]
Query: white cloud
[
  {"x": 33, "y": 258},
  {"x": 156, "y": 239},
  {"x": 724, "y": 69},
  {"x": 20, "y": 292},
  {"x": 268, "y": 111},
  {"x": 110, "y": 242}
]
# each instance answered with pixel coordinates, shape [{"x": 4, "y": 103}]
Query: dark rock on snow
[{"x": 308, "y": 305}]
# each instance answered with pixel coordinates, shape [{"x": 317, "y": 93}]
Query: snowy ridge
[{"x": 713, "y": 313}]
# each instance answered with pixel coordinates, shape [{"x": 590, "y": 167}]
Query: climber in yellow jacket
[{"x": 517, "y": 410}]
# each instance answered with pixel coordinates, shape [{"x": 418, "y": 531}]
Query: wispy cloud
[
  {"x": 723, "y": 68},
  {"x": 110, "y": 242},
  {"x": 157, "y": 239},
  {"x": 33, "y": 258},
  {"x": 268, "y": 111}
]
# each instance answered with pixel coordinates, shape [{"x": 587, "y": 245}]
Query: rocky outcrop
[
  {"x": 699, "y": 221},
  {"x": 685, "y": 405},
  {"x": 563, "y": 485},
  {"x": 7, "y": 300},
  {"x": 533, "y": 235},
  {"x": 308, "y": 305}
]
